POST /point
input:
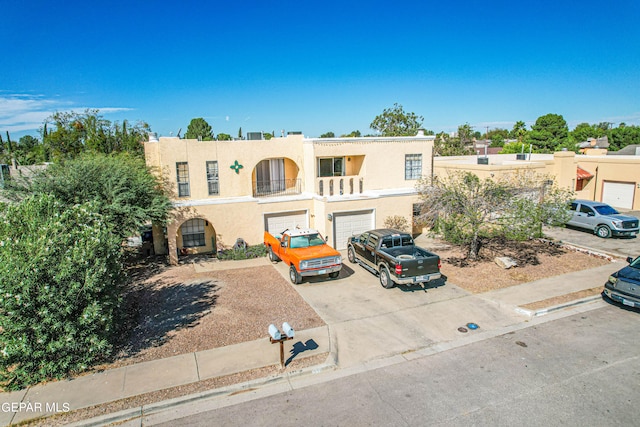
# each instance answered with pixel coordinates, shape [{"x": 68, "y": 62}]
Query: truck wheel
[
  {"x": 272, "y": 257},
  {"x": 334, "y": 274},
  {"x": 351, "y": 255},
  {"x": 294, "y": 276},
  {"x": 603, "y": 231},
  {"x": 385, "y": 280}
]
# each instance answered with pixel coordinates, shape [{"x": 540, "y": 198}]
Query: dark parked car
[{"x": 623, "y": 286}]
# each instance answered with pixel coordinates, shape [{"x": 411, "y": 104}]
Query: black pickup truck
[{"x": 393, "y": 256}]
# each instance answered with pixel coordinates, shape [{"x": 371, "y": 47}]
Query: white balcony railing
[{"x": 339, "y": 185}]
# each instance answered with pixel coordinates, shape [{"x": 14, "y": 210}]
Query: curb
[
  {"x": 152, "y": 408},
  {"x": 568, "y": 304}
]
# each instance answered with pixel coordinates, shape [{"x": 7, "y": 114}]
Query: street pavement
[
  {"x": 580, "y": 370},
  {"x": 366, "y": 326}
]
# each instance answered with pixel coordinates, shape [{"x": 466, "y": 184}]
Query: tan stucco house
[
  {"x": 594, "y": 175},
  {"x": 229, "y": 190}
]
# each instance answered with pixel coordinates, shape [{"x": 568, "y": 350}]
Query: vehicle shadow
[
  {"x": 301, "y": 347},
  {"x": 609, "y": 301},
  {"x": 345, "y": 272},
  {"x": 583, "y": 230}
]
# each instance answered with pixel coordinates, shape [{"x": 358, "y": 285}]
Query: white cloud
[{"x": 27, "y": 113}]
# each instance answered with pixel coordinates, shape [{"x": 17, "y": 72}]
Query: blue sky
[{"x": 319, "y": 66}]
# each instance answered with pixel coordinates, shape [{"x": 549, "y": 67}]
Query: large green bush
[{"x": 59, "y": 294}]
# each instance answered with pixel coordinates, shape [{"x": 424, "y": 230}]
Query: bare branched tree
[{"x": 466, "y": 210}]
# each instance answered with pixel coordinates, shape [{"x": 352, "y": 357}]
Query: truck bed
[{"x": 407, "y": 252}]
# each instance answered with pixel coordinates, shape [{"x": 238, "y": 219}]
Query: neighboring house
[
  {"x": 629, "y": 150},
  {"x": 595, "y": 176},
  {"x": 229, "y": 190},
  {"x": 594, "y": 144}
]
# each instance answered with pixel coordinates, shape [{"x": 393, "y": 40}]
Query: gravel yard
[
  {"x": 177, "y": 310},
  {"x": 536, "y": 260}
]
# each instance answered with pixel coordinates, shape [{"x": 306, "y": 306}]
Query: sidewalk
[
  {"x": 133, "y": 380},
  {"x": 120, "y": 383}
]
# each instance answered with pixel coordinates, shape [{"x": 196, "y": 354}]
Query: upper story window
[
  {"x": 412, "y": 166},
  {"x": 331, "y": 166},
  {"x": 212, "y": 178},
  {"x": 182, "y": 174}
]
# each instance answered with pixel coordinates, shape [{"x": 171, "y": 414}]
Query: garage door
[
  {"x": 346, "y": 224},
  {"x": 278, "y": 222},
  {"x": 618, "y": 194}
]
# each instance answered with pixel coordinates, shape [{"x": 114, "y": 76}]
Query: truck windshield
[
  {"x": 306, "y": 241},
  {"x": 605, "y": 210},
  {"x": 395, "y": 241}
]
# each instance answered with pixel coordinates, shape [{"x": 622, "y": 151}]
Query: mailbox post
[{"x": 277, "y": 337}]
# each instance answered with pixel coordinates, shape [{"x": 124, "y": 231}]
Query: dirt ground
[
  {"x": 535, "y": 260},
  {"x": 174, "y": 310}
]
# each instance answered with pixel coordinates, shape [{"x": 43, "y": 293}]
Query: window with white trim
[
  {"x": 182, "y": 176},
  {"x": 193, "y": 233},
  {"x": 331, "y": 166},
  {"x": 412, "y": 166},
  {"x": 212, "y": 177}
]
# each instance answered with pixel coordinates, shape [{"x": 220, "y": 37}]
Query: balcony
[
  {"x": 339, "y": 185},
  {"x": 278, "y": 187}
]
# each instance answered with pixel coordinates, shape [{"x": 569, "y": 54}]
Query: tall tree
[
  {"x": 353, "y": 134},
  {"x": 583, "y": 131},
  {"x": 446, "y": 145},
  {"x": 199, "y": 129},
  {"x": 549, "y": 132},
  {"x": 395, "y": 121},
  {"x": 623, "y": 135},
  {"x": 29, "y": 151},
  {"x": 125, "y": 192},
  {"x": 74, "y": 133},
  {"x": 328, "y": 135},
  {"x": 497, "y": 137},
  {"x": 518, "y": 131}
]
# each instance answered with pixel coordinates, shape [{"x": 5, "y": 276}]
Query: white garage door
[
  {"x": 276, "y": 223},
  {"x": 618, "y": 194},
  {"x": 346, "y": 224}
]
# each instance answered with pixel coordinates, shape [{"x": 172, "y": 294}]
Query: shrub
[
  {"x": 59, "y": 294},
  {"x": 240, "y": 253},
  {"x": 397, "y": 221}
]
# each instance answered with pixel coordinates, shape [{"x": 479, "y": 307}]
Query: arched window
[{"x": 193, "y": 233}]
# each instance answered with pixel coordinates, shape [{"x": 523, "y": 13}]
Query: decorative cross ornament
[{"x": 236, "y": 166}]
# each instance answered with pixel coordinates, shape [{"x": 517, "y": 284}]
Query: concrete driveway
[
  {"x": 617, "y": 246},
  {"x": 367, "y": 322}
]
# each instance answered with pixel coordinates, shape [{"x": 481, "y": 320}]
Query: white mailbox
[{"x": 288, "y": 330}]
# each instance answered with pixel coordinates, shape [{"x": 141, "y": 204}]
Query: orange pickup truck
[{"x": 305, "y": 252}]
